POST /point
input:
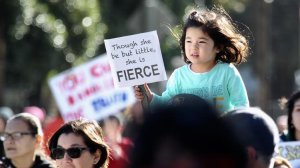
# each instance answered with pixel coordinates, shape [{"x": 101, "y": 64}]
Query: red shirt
[{"x": 120, "y": 154}]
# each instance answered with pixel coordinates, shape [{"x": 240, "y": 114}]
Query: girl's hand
[{"x": 139, "y": 94}]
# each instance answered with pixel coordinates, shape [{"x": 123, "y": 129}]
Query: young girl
[{"x": 210, "y": 44}]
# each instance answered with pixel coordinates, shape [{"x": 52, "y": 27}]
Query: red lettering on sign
[
  {"x": 83, "y": 94},
  {"x": 98, "y": 70},
  {"x": 71, "y": 100},
  {"x": 70, "y": 82},
  {"x": 88, "y": 91},
  {"x": 73, "y": 115}
]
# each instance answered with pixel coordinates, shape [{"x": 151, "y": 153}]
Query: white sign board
[
  {"x": 291, "y": 151},
  {"x": 88, "y": 91},
  {"x": 136, "y": 59}
]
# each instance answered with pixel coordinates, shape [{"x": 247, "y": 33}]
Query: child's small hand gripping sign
[{"x": 144, "y": 95}]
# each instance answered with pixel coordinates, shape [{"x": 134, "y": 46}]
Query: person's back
[
  {"x": 186, "y": 133},
  {"x": 257, "y": 132}
]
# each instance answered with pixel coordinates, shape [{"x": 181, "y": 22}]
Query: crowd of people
[
  {"x": 202, "y": 120},
  {"x": 185, "y": 132}
]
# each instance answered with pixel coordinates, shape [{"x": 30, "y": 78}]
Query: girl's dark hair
[
  {"x": 218, "y": 25},
  {"x": 92, "y": 135},
  {"x": 290, "y": 106}
]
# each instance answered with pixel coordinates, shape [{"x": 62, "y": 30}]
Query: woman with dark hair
[
  {"x": 293, "y": 110},
  {"x": 22, "y": 141},
  {"x": 79, "y": 144}
]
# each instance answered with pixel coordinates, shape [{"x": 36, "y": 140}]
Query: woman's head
[
  {"x": 293, "y": 110},
  {"x": 83, "y": 141},
  {"x": 23, "y": 136},
  {"x": 232, "y": 46}
]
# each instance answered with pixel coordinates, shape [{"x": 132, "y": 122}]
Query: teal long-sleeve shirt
[{"x": 222, "y": 86}]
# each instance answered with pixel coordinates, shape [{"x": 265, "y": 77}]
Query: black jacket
[{"x": 38, "y": 163}]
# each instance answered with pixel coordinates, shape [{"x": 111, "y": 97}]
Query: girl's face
[
  {"x": 296, "y": 115},
  {"x": 85, "y": 160},
  {"x": 18, "y": 144},
  {"x": 200, "y": 48}
]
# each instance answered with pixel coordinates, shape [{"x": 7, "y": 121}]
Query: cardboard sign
[
  {"x": 88, "y": 91},
  {"x": 291, "y": 151},
  {"x": 136, "y": 59}
]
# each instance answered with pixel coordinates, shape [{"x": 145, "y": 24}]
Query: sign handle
[{"x": 144, "y": 102}]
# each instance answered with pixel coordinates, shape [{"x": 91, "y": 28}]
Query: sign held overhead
[{"x": 136, "y": 59}]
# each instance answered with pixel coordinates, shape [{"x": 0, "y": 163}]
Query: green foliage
[
  {"x": 44, "y": 35},
  {"x": 116, "y": 14},
  {"x": 73, "y": 26},
  {"x": 238, "y": 6}
]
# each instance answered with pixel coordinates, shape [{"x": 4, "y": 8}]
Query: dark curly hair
[
  {"x": 233, "y": 46},
  {"x": 92, "y": 135}
]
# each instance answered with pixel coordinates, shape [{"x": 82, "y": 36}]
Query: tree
[{"x": 41, "y": 36}]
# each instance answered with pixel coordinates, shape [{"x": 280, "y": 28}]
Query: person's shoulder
[
  {"x": 44, "y": 165},
  {"x": 42, "y": 162},
  {"x": 182, "y": 68},
  {"x": 2, "y": 164},
  {"x": 284, "y": 137},
  {"x": 225, "y": 65},
  {"x": 5, "y": 163},
  {"x": 228, "y": 68}
]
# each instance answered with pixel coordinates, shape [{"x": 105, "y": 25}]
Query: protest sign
[
  {"x": 291, "y": 151},
  {"x": 136, "y": 59},
  {"x": 88, "y": 91}
]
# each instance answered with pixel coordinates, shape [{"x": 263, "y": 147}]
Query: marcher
[
  {"x": 186, "y": 133},
  {"x": 211, "y": 44},
  {"x": 22, "y": 140},
  {"x": 52, "y": 124},
  {"x": 257, "y": 132},
  {"x": 281, "y": 122},
  {"x": 134, "y": 116},
  {"x": 120, "y": 146},
  {"x": 5, "y": 114},
  {"x": 79, "y": 144},
  {"x": 293, "y": 110},
  {"x": 36, "y": 111}
]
